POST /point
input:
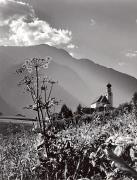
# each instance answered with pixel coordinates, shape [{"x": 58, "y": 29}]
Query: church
[{"x": 104, "y": 102}]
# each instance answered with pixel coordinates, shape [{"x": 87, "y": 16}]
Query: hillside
[
  {"x": 5, "y": 108},
  {"x": 80, "y": 81}
]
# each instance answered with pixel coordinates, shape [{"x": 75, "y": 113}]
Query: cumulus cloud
[
  {"x": 36, "y": 32},
  {"x": 19, "y": 26}
]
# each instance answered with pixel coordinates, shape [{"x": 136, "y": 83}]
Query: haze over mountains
[{"x": 80, "y": 81}]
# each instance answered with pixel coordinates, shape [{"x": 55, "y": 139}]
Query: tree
[
  {"x": 124, "y": 108},
  {"x": 134, "y": 99},
  {"x": 65, "y": 112},
  {"x": 79, "y": 109}
]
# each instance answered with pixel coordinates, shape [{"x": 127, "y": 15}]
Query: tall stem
[
  {"x": 50, "y": 91},
  {"x": 45, "y": 94},
  {"x": 43, "y": 121},
  {"x": 47, "y": 99},
  {"x": 47, "y": 111},
  {"x": 44, "y": 131},
  {"x": 47, "y": 108},
  {"x": 37, "y": 79}
]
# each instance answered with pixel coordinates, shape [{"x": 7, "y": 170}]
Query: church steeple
[{"x": 109, "y": 94}]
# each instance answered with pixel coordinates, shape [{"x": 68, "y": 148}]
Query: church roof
[{"x": 101, "y": 99}]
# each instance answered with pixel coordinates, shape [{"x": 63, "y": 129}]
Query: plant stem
[
  {"x": 43, "y": 121},
  {"x": 77, "y": 168},
  {"x": 44, "y": 131},
  {"x": 37, "y": 84},
  {"x": 50, "y": 91}
]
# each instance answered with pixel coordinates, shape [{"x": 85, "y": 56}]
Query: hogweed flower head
[{"x": 35, "y": 63}]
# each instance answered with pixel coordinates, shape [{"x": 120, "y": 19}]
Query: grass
[{"x": 74, "y": 153}]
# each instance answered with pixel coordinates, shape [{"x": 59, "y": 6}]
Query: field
[{"x": 74, "y": 153}]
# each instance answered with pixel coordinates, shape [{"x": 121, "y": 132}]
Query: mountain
[
  {"x": 18, "y": 98},
  {"x": 5, "y": 108},
  {"x": 80, "y": 80}
]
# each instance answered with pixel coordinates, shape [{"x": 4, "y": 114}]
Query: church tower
[{"x": 110, "y": 94}]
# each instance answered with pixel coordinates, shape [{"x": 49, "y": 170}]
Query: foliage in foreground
[
  {"x": 75, "y": 153},
  {"x": 17, "y": 155}
]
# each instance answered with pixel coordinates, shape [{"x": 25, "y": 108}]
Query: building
[{"x": 104, "y": 102}]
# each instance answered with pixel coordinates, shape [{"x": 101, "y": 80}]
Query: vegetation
[
  {"x": 65, "y": 112},
  {"x": 79, "y": 109},
  {"x": 74, "y": 153}
]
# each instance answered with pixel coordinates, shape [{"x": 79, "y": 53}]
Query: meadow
[{"x": 76, "y": 152}]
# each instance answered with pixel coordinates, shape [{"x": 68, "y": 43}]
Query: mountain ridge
[{"x": 82, "y": 79}]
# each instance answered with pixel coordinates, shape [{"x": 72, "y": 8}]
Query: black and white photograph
[{"x": 68, "y": 89}]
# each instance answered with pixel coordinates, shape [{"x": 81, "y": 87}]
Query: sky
[{"x": 104, "y": 31}]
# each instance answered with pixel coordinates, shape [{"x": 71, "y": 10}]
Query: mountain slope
[
  {"x": 18, "y": 98},
  {"x": 5, "y": 108},
  {"x": 80, "y": 81}
]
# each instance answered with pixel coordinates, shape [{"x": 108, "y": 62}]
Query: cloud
[
  {"x": 131, "y": 54},
  {"x": 3, "y": 1},
  {"x": 37, "y": 32},
  {"x": 12, "y": 9},
  {"x": 19, "y": 26},
  {"x": 71, "y": 46}
]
